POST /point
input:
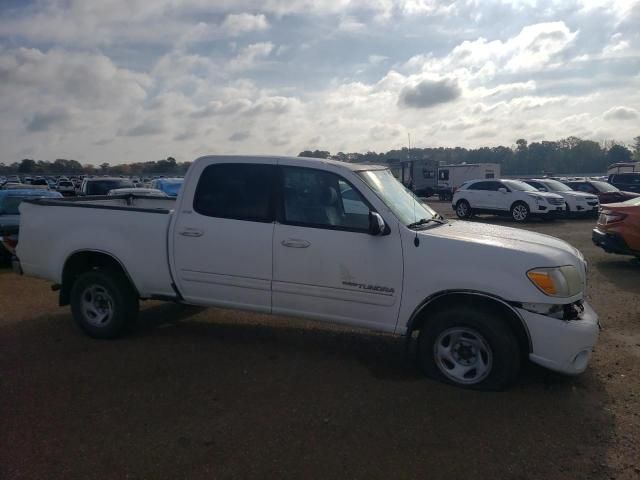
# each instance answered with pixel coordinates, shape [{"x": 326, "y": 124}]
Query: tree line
[
  {"x": 569, "y": 155},
  {"x": 62, "y": 166}
]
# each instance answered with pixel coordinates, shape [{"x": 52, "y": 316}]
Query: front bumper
[
  {"x": 611, "y": 242},
  {"x": 562, "y": 345}
]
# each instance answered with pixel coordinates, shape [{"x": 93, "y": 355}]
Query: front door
[
  {"x": 223, "y": 236},
  {"x": 326, "y": 264}
]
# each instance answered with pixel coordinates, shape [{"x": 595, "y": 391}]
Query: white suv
[
  {"x": 505, "y": 197},
  {"x": 576, "y": 203}
]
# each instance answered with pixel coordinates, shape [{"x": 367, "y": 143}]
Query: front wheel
[
  {"x": 463, "y": 209},
  {"x": 103, "y": 303},
  {"x": 520, "y": 212},
  {"x": 469, "y": 348}
]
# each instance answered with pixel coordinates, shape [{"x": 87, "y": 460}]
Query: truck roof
[{"x": 356, "y": 167}]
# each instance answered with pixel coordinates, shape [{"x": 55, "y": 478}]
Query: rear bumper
[
  {"x": 562, "y": 345},
  {"x": 611, "y": 242}
]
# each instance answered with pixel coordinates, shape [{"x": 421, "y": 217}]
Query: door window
[
  {"x": 239, "y": 191},
  {"x": 443, "y": 175},
  {"x": 320, "y": 199}
]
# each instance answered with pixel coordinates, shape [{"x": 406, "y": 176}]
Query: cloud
[
  {"x": 43, "y": 121},
  {"x": 237, "y": 24},
  {"x": 239, "y": 136},
  {"x": 621, "y": 113},
  {"x": 250, "y": 56},
  {"x": 147, "y": 128},
  {"x": 428, "y": 93}
]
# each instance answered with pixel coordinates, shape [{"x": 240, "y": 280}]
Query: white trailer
[{"x": 450, "y": 177}]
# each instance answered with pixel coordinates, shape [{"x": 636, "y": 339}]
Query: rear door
[
  {"x": 326, "y": 264},
  {"x": 222, "y": 237}
]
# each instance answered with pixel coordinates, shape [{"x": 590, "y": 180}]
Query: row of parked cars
[
  {"x": 618, "y": 211},
  {"x": 14, "y": 189},
  {"x": 544, "y": 197}
]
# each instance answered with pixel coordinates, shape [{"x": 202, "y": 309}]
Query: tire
[
  {"x": 520, "y": 212},
  {"x": 463, "y": 209},
  {"x": 469, "y": 348},
  {"x": 103, "y": 303}
]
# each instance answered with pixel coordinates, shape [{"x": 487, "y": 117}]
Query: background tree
[{"x": 619, "y": 153}]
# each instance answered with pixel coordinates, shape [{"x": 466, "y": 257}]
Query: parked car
[
  {"x": 505, "y": 197},
  {"x": 10, "y": 199},
  {"x": 576, "y": 203},
  {"x": 451, "y": 177},
  {"x": 627, "y": 182},
  {"x": 270, "y": 234},
  {"x": 170, "y": 186},
  {"x": 618, "y": 228},
  {"x": 606, "y": 192},
  {"x": 102, "y": 185},
  {"x": 138, "y": 191},
  {"x": 65, "y": 187}
]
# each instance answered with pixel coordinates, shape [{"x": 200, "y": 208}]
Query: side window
[
  {"x": 240, "y": 191},
  {"x": 495, "y": 186},
  {"x": 489, "y": 174},
  {"x": 426, "y": 173},
  {"x": 537, "y": 185},
  {"x": 316, "y": 198},
  {"x": 480, "y": 186},
  {"x": 443, "y": 175}
]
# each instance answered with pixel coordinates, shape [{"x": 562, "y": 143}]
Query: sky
[{"x": 123, "y": 81}]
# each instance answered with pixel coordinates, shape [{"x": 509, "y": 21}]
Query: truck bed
[{"x": 133, "y": 229}]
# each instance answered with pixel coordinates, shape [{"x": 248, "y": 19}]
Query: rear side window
[
  {"x": 239, "y": 191},
  {"x": 491, "y": 186}
]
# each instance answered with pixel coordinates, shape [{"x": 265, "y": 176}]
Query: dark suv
[
  {"x": 606, "y": 192},
  {"x": 629, "y": 182}
]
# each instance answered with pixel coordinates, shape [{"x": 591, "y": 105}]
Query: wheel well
[
  {"x": 517, "y": 202},
  {"x": 81, "y": 262},
  {"x": 479, "y": 302}
]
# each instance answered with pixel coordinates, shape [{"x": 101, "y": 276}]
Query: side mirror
[
  {"x": 542, "y": 189},
  {"x": 502, "y": 190},
  {"x": 376, "y": 224}
]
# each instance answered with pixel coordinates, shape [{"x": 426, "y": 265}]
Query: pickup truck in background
[{"x": 274, "y": 235}]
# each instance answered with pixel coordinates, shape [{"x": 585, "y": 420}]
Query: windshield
[
  {"x": 556, "y": 186},
  {"x": 102, "y": 187},
  {"x": 604, "y": 186},
  {"x": 519, "y": 186},
  {"x": 403, "y": 203}
]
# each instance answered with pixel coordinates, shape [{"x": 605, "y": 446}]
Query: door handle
[
  {"x": 191, "y": 232},
  {"x": 295, "y": 243}
]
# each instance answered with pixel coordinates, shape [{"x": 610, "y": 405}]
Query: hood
[
  {"x": 508, "y": 237},
  {"x": 580, "y": 194},
  {"x": 544, "y": 194}
]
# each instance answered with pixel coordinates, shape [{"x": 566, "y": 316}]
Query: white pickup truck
[{"x": 325, "y": 240}]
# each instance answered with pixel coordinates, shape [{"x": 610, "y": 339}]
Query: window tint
[
  {"x": 426, "y": 173},
  {"x": 240, "y": 191},
  {"x": 487, "y": 186},
  {"x": 443, "y": 175},
  {"x": 322, "y": 199}
]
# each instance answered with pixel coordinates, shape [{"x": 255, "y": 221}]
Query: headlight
[{"x": 557, "y": 281}]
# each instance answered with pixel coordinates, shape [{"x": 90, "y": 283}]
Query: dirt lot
[{"x": 196, "y": 393}]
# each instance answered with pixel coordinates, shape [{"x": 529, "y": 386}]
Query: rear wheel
[
  {"x": 469, "y": 348},
  {"x": 520, "y": 212},
  {"x": 463, "y": 209},
  {"x": 103, "y": 303}
]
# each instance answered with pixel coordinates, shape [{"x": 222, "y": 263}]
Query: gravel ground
[{"x": 207, "y": 393}]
